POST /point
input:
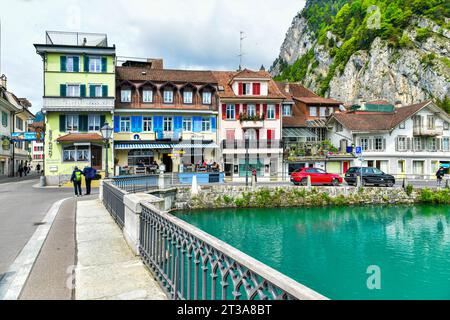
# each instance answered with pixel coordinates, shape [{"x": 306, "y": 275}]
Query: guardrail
[
  {"x": 191, "y": 264},
  {"x": 113, "y": 201}
]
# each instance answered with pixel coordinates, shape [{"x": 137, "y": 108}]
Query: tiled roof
[
  {"x": 302, "y": 94},
  {"x": 164, "y": 75},
  {"x": 80, "y": 137},
  {"x": 250, "y": 74},
  {"x": 377, "y": 121},
  {"x": 224, "y": 79},
  {"x": 317, "y": 100}
]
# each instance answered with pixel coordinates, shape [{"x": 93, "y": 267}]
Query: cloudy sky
[{"x": 194, "y": 34}]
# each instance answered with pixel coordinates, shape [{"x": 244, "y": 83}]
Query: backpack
[{"x": 78, "y": 176}]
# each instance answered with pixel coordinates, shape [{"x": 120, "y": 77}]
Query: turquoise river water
[{"x": 331, "y": 249}]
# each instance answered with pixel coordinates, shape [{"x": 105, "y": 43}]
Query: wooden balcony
[{"x": 428, "y": 132}]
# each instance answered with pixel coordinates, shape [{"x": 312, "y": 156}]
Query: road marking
[{"x": 12, "y": 283}]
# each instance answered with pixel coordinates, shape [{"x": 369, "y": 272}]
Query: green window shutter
[
  {"x": 76, "y": 64},
  {"x": 63, "y": 61},
  {"x": 83, "y": 122},
  {"x": 4, "y": 119},
  {"x": 86, "y": 64},
  {"x": 82, "y": 90},
  {"x": 102, "y": 120},
  {"x": 62, "y": 122},
  {"x": 62, "y": 90},
  {"x": 91, "y": 91},
  {"x": 104, "y": 64},
  {"x": 105, "y": 91}
]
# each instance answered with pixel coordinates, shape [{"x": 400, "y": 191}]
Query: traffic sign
[{"x": 358, "y": 150}]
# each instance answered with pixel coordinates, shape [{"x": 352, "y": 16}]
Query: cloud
[{"x": 195, "y": 34}]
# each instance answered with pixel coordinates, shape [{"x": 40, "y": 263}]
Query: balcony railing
[
  {"x": 425, "y": 131},
  {"x": 252, "y": 124},
  {"x": 78, "y": 104},
  {"x": 252, "y": 144}
]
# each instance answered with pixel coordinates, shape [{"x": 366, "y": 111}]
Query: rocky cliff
[{"x": 352, "y": 52}]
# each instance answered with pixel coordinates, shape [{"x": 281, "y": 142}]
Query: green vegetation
[
  {"x": 444, "y": 104},
  {"x": 441, "y": 196},
  {"x": 355, "y": 24},
  {"x": 409, "y": 189},
  {"x": 429, "y": 60}
]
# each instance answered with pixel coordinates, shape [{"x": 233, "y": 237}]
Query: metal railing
[
  {"x": 143, "y": 183},
  {"x": 113, "y": 201},
  {"x": 252, "y": 144},
  {"x": 191, "y": 264}
]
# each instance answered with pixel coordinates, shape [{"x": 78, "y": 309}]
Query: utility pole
[{"x": 241, "y": 53}]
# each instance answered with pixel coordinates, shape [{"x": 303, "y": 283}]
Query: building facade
[
  {"x": 410, "y": 141},
  {"x": 165, "y": 119},
  {"x": 250, "y": 124},
  {"x": 79, "y": 82}
]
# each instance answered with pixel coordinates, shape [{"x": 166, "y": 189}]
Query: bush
[
  {"x": 435, "y": 196},
  {"x": 409, "y": 189},
  {"x": 422, "y": 34}
]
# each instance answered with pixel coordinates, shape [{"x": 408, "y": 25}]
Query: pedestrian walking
[
  {"x": 76, "y": 179},
  {"x": 20, "y": 170},
  {"x": 25, "y": 169},
  {"x": 254, "y": 173},
  {"x": 38, "y": 168},
  {"x": 439, "y": 175},
  {"x": 89, "y": 175}
]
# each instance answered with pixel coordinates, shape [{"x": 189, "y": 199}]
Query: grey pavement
[{"x": 31, "y": 176}]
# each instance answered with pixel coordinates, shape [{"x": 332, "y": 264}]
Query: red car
[{"x": 318, "y": 176}]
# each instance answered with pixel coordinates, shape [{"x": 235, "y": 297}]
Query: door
[
  {"x": 96, "y": 157},
  {"x": 167, "y": 161}
]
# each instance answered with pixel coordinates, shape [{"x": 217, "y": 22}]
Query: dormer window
[
  {"x": 147, "y": 95},
  {"x": 168, "y": 96},
  {"x": 206, "y": 97},
  {"x": 313, "y": 111},
  {"x": 244, "y": 88},
  {"x": 125, "y": 95},
  {"x": 187, "y": 96},
  {"x": 256, "y": 89},
  {"x": 287, "y": 110}
]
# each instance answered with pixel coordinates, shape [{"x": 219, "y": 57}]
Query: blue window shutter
[
  {"x": 136, "y": 123},
  {"x": 116, "y": 124},
  {"x": 213, "y": 124},
  {"x": 76, "y": 64},
  {"x": 63, "y": 60},
  {"x": 178, "y": 123},
  {"x": 197, "y": 124},
  {"x": 104, "y": 64},
  {"x": 158, "y": 126},
  {"x": 91, "y": 91}
]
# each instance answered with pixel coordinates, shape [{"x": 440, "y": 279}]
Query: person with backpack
[
  {"x": 20, "y": 170},
  {"x": 439, "y": 175},
  {"x": 76, "y": 179},
  {"x": 89, "y": 175}
]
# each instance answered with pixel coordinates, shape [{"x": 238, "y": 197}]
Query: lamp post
[{"x": 106, "y": 132}]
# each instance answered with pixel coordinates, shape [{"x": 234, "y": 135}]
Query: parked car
[
  {"x": 370, "y": 175},
  {"x": 318, "y": 176}
]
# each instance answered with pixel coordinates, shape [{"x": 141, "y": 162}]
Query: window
[
  {"x": 339, "y": 127},
  {"x": 432, "y": 144},
  {"x": 246, "y": 88},
  {"x": 125, "y": 95},
  {"x": 323, "y": 112},
  {"x": 417, "y": 143},
  {"x": 430, "y": 122},
  {"x": 147, "y": 124},
  {"x": 402, "y": 143},
  {"x": 287, "y": 110},
  {"x": 168, "y": 123},
  {"x": 93, "y": 122},
  {"x": 76, "y": 153},
  {"x": 446, "y": 125},
  {"x": 4, "y": 119},
  {"x": 250, "y": 134},
  {"x": 71, "y": 122},
  {"x": 73, "y": 90},
  {"x": 271, "y": 111},
  {"x": 125, "y": 124},
  {"x": 313, "y": 111},
  {"x": 251, "y": 110},
  {"x": 72, "y": 64},
  {"x": 231, "y": 111},
  {"x": 95, "y": 90},
  {"x": 401, "y": 125},
  {"x": 95, "y": 64},
  {"x": 187, "y": 96},
  {"x": 147, "y": 95},
  {"x": 418, "y": 167},
  {"x": 206, "y": 97},
  {"x": 446, "y": 144},
  {"x": 19, "y": 123},
  {"x": 330, "y": 110},
  {"x": 187, "y": 124},
  {"x": 168, "y": 96},
  {"x": 378, "y": 144},
  {"x": 364, "y": 143},
  {"x": 206, "y": 124},
  {"x": 401, "y": 166}
]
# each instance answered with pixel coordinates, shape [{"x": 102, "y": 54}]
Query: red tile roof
[
  {"x": 302, "y": 94},
  {"x": 80, "y": 137},
  {"x": 250, "y": 74},
  {"x": 164, "y": 75}
]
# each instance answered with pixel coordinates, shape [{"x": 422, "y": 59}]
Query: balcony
[
  {"x": 78, "y": 104},
  {"x": 252, "y": 124},
  {"x": 427, "y": 132},
  {"x": 251, "y": 144}
]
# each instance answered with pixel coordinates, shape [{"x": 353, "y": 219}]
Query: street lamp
[{"x": 106, "y": 131}]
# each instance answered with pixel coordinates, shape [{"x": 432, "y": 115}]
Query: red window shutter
[
  {"x": 244, "y": 108},
  {"x": 277, "y": 111},
  {"x": 236, "y": 111},
  {"x": 270, "y": 134},
  {"x": 230, "y": 135},
  {"x": 257, "y": 109},
  {"x": 256, "y": 89},
  {"x": 241, "y": 89},
  {"x": 224, "y": 111},
  {"x": 265, "y": 110}
]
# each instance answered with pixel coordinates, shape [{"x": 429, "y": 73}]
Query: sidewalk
[
  {"x": 32, "y": 175},
  {"x": 106, "y": 268}
]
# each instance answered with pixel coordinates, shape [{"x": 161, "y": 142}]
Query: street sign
[
  {"x": 24, "y": 136},
  {"x": 358, "y": 150}
]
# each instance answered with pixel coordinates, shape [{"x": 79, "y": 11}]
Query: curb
[{"x": 12, "y": 283}]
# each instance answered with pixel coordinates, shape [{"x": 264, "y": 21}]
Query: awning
[
  {"x": 297, "y": 133},
  {"x": 128, "y": 146},
  {"x": 210, "y": 145}
]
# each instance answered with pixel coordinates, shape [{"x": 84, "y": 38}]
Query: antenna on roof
[{"x": 241, "y": 53}]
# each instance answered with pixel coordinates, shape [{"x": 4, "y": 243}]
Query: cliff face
[{"x": 415, "y": 69}]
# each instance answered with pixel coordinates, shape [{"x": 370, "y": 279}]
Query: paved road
[{"x": 21, "y": 206}]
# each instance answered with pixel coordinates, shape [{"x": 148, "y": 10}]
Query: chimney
[
  {"x": 398, "y": 104},
  {"x": 286, "y": 87},
  {"x": 3, "y": 81}
]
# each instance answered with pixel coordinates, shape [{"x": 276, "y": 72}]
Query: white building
[
  {"x": 410, "y": 141},
  {"x": 249, "y": 124},
  {"x": 37, "y": 154}
]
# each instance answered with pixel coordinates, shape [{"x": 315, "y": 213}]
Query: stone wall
[{"x": 228, "y": 196}]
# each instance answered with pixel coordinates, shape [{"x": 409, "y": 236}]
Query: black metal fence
[
  {"x": 113, "y": 201},
  {"x": 191, "y": 264},
  {"x": 143, "y": 183}
]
